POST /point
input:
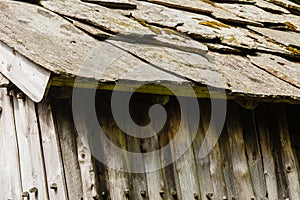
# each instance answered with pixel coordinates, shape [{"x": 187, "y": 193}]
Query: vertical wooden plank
[
  {"x": 117, "y": 180},
  {"x": 10, "y": 178},
  {"x": 31, "y": 157},
  {"x": 52, "y": 153},
  {"x": 67, "y": 138},
  {"x": 287, "y": 154},
  {"x": 266, "y": 151},
  {"x": 85, "y": 158},
  {"x": 186, "y": 164},
  {"x": 253, "y": 152},
  {"x": 227, "y": 165},
  {"x": 239, "y": 162},
  {"x": 215, "y": 161}
]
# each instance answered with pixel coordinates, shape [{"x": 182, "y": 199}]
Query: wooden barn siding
[{"x": 257, "y": 156}]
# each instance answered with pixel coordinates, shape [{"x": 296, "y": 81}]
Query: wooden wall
[{"x": 42, "y": 157}]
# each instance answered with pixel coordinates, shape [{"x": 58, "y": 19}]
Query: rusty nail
[
  {"x": 97, "y": 197},
  {"x": 53, "y": 186},
  {"x": 21, "y": 95},
  {"x": 33, "y": 190},
  {"x": 174, "y": 193},
  {"x": 161, "y": 192},
  {"x": 126, "y": 192},
  {"x": 288, "y": 168},
  {"x": 25, "y": 194},
  {"x": 196, "y": 195},
  {"x": 143, "y": 193},
  {"x": 209, "y": 195}
]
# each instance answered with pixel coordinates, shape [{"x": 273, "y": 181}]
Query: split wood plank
[
  {"x": 253, "y": 152},
  {"x": 120, "y": 4},
  {"x": 287, "y": 154},
  {"x": 86, "y": 147},
  {"x": 26, "y": 75},
  {"x": 32, "y": 169},
  {"x": 52, "y": 152},
  {"x": 186, "y": 165},
  {"x": 112, "y": 156},
  {"x": 266, "y": 151},
  {"x": 215, "y": 158},
  {"x": 67, "y": 138},
  {"x": 227, "y": 166},
  {"x": 3, "y": 80},
  {"x": 240, "y": 168},
  {"x": 10, "y": 177},
  {"x": 283, "y": 69}
]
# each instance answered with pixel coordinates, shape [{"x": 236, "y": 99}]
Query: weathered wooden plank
[
  {"x": 52, "y": 152},
  {"x": 287, "y": 154},
  {"x": 30, "y": 150},
  {"x": 227, "y": 166},
  {"x": 67, "y": 138},
  {"x": 10, "y": 178},
  {"x": 3, "y": 80},
  {"x": 116, "y": 161},
  {"x": 186, "y": 165},
  {"x": 240, "y": 168},
  {"x": 279, "y": 67},
  {"x": 86, "y": 147},
  {"x": 266, "y": 151},
  {"x": 120, "y": 4},
  {"x": 253, "y": 153},
  {"x": 215, "y": 159},
  {"x": 26, "y": 75}
]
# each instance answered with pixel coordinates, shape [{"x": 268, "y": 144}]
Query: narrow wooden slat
[
  {"x": 253, "y": 152},
  {"x": 26, "y": 75},
  {"x": 266, "y": 151},
  {"x": 185, "y": 165},
  {"x": 52, "y": 152},
  {"x": 67, "y": 138},
  {"x": 215, "y": 160},
  {"x": 240, "y": 166},
  {"x": 10, "y": 177},
  {"x": 31, "y": 157},
  {"x": 227, "y": 165},
  {"x": 85, "y": 133},
  {"x": 287, "y": 154}
]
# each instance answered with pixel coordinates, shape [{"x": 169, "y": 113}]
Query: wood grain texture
[
  {"x": 64, "y": 128},
  {"x": 266, "y": 145},
  {"x": 26, "y": 75},
  {"x": 32, "y": 169},
  {"x": 52, "y": 152},
  {"x": 10, "y": 177}
]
